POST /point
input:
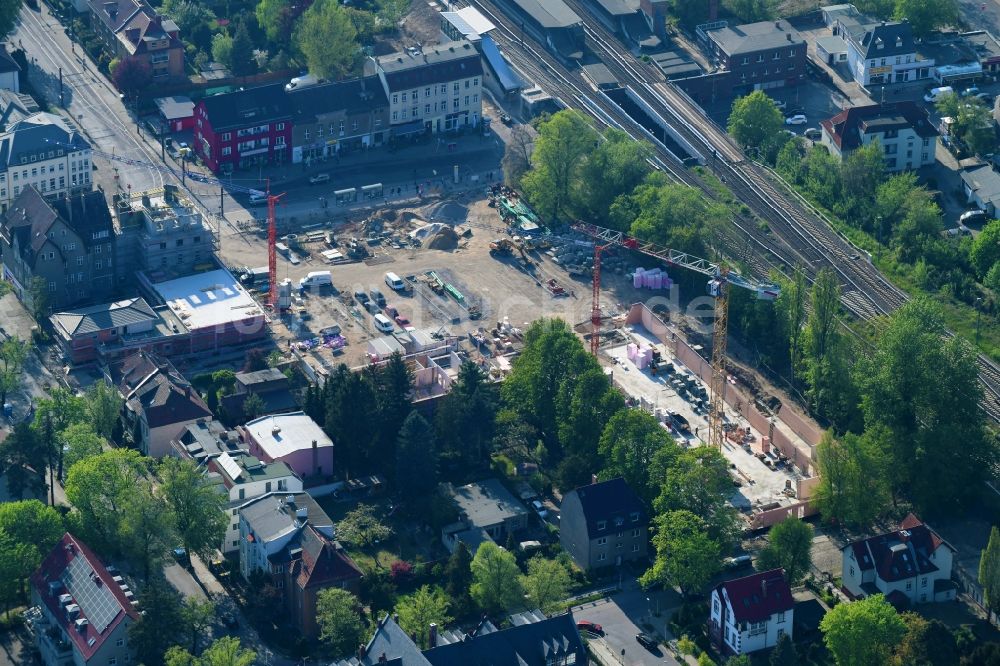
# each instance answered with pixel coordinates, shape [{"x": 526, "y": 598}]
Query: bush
[{"x": 400, "y": 571}]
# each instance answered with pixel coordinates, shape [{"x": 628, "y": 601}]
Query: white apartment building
[
  {"x": 751, "y": 613},
  {"x": 435, "y": 90},
  {"x": 43, "y": 151},
  {"x": 903, "y": 129}
]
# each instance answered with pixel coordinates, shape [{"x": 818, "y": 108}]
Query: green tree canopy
[
  {"x": 751, "y": 11},
  {"x": 24, "y": 459},
  {"x": 565, "y": 140},
  {"x": 418, "y": 610},
  {"x": 686, "y": 557},
  {"x": 222, "y": 49},
  {"x": 339, "y": 621},
  {"x": 362, "y": 527},
  {"x": 615, "y": 167},
  {"x": 789, "y": 547},
  {"x": 224, "y": 651},
  {"x": 852, "y": 489},
  {"x": 755, "y": 120},
  {"x": 496, "y": 584},
  {"x": 926, "y": 643},
  {"x": 784, "y": 653},
  {"x": 628, "y": 444},
  {"x": 677, "y": 216},
  {"x": 416, "y": 457},
  {"x": 985, "y": 251},
  {"x": 862, "y": 633},
  {"x": 160, "y": 627},
  {"x": 241, "y": 56},
  {"x": 13, "y": 354},
  {"x": 989, "y": 571},
  {"x": 197, "y": 505},
  {"x": 79, "y": 442},
  {"x": 698, "y": 481},
  {"x": 327, "y": 40},
  {"x": 9, "y": 9},
  {"x": 546, "y": 583},
  {"x": 104, "y": 408},
  {"x": 925, "y": 16}
]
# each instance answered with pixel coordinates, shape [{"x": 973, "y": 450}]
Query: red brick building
[
  {"x": 759, "y": 56},
  {"x": 244, "y": 129}
]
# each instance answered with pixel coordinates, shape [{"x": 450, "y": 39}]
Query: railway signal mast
[{"x": 721, "y": 278}]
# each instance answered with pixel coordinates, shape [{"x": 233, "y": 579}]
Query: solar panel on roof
[
  {"x": 231, "y": 467},
  {"x": 99, "y": 604}
]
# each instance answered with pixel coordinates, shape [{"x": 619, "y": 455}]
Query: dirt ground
[{"x": 420, "y": 26}]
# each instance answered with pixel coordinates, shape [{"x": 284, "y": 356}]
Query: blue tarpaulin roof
[{"x": 505, "y": 75}]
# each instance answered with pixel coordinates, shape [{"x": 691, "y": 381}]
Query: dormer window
[
  {"x": 634, "y": 516},
  {"x": 619, "y": 521},
  {"x": 879, "y": 43},
  {"x": 602, "y": 524}
]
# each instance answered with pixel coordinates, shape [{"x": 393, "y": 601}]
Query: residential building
[
  {"x": 244, "y": 128},
  {"x": 879, "y": 53},
  {"x": 759, "y": 56},
  {"x": 81, "y": 611},
  {"x": 159, "y": 401},
  {"x": 64, "y": 245},
  {"x": 531, "y": 639},
  {"x": 604, "y": 524},
  {"x": 981, "y": 185},
  {"x": 205, "y": 440},
  {"x": 751, "y": 613},
  {"x": 133, "y": 29},
  {"x": 338, "y": 118},
  {"x": 903, "y": 129},
  {"x": 10, "y": 71},
  {"x": 434, "y": 90},
  {"x": 291, "y": 438},
  {"x": 288, "y": 538},
  {"x": 176, "y": 113},
  {"x": 489, "y": 506},
  {"x": 244, "y": 477},
  {"x": 46, "y": 153},
  {"x": 161, "y": 232},
  {"x": 909, "y": 566},
  {"x": 270, "y": 385},
  {"x": 81, "y": 332},
  {"x": 15, "y": 107}
]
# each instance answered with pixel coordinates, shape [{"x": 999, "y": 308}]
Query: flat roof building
[
  {"x": 487, "y": 504},
  {"x": 294, "y": 439}
]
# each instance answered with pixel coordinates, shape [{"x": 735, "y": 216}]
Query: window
[
  {"x": 781, "y": 617},
  {"x": 52, "y": 286},
  {"x": 454, "y": 104},
  {"x": 467, "y": 100},
  {"x": 112, "y": 661},
  {"x": 404, "y": 98},
  {"x": 635, "y": 532},
  {"x": 602, "y": 524},
  {"x": 319, "y": 132},
  {"x": 415, "y": 111},
  {"x": 279, "y": 127},
  {"x": 777, "y": 55},
  {"x": 227, "y": 136},
  {"x": 635, "y": 548},
  {"x": 745, "y": 61},
  {"x": 455, "y": 87},
  {"x": 34, "y": 172},
  {"x": 852, "y": 571},
  {"x": 427, "y": 92},
  {"x": 760, "y": 57},
  {"x": 278, "y": 569},
  {"x": 267, "y": 487},
  {"x": 120, "y": 642},
  {"x": 909, "y": 585},
  {"x": 619, "y": 545},
  {"x": 634, "y": 516},
  {"x": 602, "y": 557},
  {"x": 403, "y": 114},
  {"x": 226, "y": 150},
  {"x": 243, "y": 493},
  {"x": 395, "y": 99},
  {"x": 395, "y": 116},
  {"x": 62, "y": 181},
  {"x": 603, "y": 541},
  {"x": 279, "y": 141},
  {"x": 923, "y": 582},
  {"x": 98, "y": 265},
  {"x": 427, "y": 108},
  {"x": 444, "y": 88},
  {"x": 475, "y": 82},
  {"x": 475, "y": 99}
]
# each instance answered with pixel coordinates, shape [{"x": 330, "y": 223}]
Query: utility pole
[
  {"x": 979, "y": 313},
  {"x": 222, "y": 201},
  {"x": 62, "y": 101}
]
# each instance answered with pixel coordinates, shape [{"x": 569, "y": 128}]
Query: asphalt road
[{"x": 88, "y": 97}]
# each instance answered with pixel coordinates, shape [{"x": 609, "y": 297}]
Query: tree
[
  {"x": 925, "y": 16},
  {"x": 663, "y": 212},
  {"x": 789, "y": 547},
  {"x": 327, "y": 40},
  {"x": 101, "y": 490},
  {"x": 690, "y": 12},
  {"x": 418, "y": 610},
  {"x": 517, "y": 155},
  {"x": 41, "y": 300},
  {"x": 338, "y": 619},
  {"x": 393, "y": 384},
  {"x": 147, "y": 530},
  {"x": 860, "y": 175},
  {"x": 222, "y": 49},
  {"x": 79, "y": 441},
  {"x": 416, "y": 458},
  {"x": 863, "y": 632},
  {"x": 253, "y": 361},
  {"x": 197, "y": 505},
  {"x": 926, "y": 643},
  {"x": 697, "y": 480},
  {"x": 198, "y": 617},
  {"x": 8, "y": 16},
  {"x": 563, "y": 144},
  {"x": 352, "y": 418},
  {"x": 362, "y": 527},
  {"x": 628, "y": 445},
  {"x": 253, "y": 406},
  {"x": 686, "y": 557},
  {"x": 272, "y": 17},
  {"x": 751, "y": 11},
  {"x": 188, "y": 15},
  {"x": 14, "y": 558},
  {"x": 985, "y": 251},
  {"x": 496, "y": 584},
  {"x": 616, "y": 167},
  {"x": 458, "y": 579},
  {"x": 784, "y": 653},
  {"x": 224, "y": 651},
  {"x": 466, "y": 418},
  {"x": 989, "y": 572},
  {"x": 13, "y": 354},
  {"x": 132, "y": 75},
  {"x": 853, "y": 489},
  {"x": 920, "y": 392},
  {"x": 28, "y": 531},
  {"x": 159, "y": 626},
  {"x": 23, "y": 460},
  {"x": 244, "y": 64},
  {"x": 583, "y": 409},
  {"x": 104, "y": 407},
  {"x": 755, "y": 120},
  {"x": 54, "y": 414},
  {"x": 546, "y": 583}
]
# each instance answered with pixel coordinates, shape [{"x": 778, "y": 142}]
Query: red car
[
  {"x": 402, "y": 321},
  {"x": 592, "y": 627}
]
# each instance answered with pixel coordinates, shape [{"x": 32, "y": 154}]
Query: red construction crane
[
  {"x": 272, "y": 245},
  {"x": 721, "y": 277}
]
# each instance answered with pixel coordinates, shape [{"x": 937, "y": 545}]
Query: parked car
[
  {"x": 680, "y": 422},
  {"x": 401, "y": 321},
  {"x": 970, "y": 91},
  {"x": 646, "y": 641},
  {"x": 797, "y": 119},
  {"x": 592, "y": 627},
  {"x": 181, "y": 555},
  {"x": 319, "y": 178},
  {"x": 976, "y": 216},
  {"x": 778, "y": 103},
  {"x": 378, "y": 297},
  {"x": 812, "y": 133},
  {"x": 987, "y": 98},
  {"x": 737, "y": 562},
  {"x": 361, "y": 297},
  {"x": 540, "y": 509}
]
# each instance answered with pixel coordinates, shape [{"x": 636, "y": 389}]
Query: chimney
[
  {"x": 315, "y": 450},
  {"x": 382, "y": 659},
  {"x": 432, "y": 635},
  {"x": 395, "y": 618},
  {"x": 789, "y": 36},
  {"x": 362, "y": 652},
  {"x": 777, "y": 24},
  {"x": 593, "y": 478}
]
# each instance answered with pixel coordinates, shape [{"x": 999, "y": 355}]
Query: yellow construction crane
[{"x": 721, "y": 278}]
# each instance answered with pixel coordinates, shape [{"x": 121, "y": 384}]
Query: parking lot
[{"x": 621, "y": 617}]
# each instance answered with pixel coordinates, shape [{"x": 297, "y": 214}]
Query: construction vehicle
[
  {"x": 721, "y": 277},
  {"x": 501, "y": 247}
]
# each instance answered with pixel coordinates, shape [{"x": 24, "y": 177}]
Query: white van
[
  {"x": 383, "y": 323},
  {"x": 300, "y": 82},
  {"x": 935, "y": 93},
  {"x": 395, "y": 282},
  {"x": 316, "y": 279}
]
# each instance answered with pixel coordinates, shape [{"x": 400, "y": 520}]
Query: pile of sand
[
  {"x": 425, "y": 231},
  {"x": 450, "y": 211},
  {"x": 445, "y": 239}
]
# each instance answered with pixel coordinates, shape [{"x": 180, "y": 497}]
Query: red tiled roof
[
  {"x": 843, "y": 127},
  {"x": 323, "y": 562},
  {"x": 901, "y": 554},
  {"x": 53, "y": 568},
  {"x": 758, "y": 597}
]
